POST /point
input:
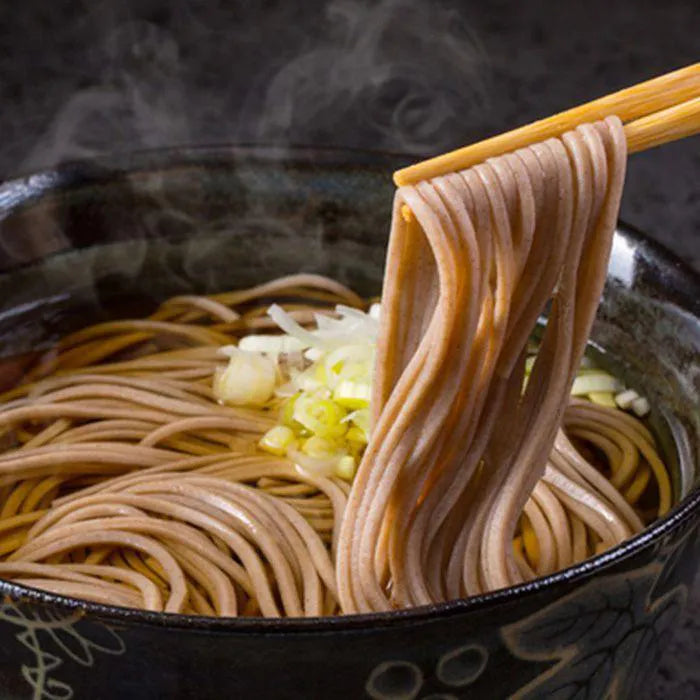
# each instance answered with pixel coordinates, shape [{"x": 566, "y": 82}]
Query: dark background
[
  {"x": 85, "y": 77},
  {"x": 82, "y": 77}
]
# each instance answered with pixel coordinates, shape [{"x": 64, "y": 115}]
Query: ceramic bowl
[{"x": 101, "y": 239}]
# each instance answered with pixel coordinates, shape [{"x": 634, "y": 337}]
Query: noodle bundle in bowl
[{"x": 292, "y": 449}]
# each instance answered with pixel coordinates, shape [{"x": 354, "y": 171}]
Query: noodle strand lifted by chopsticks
[{"x": 457, "y": 448}]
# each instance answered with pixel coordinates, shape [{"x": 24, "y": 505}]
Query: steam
[
  {"x": 400, "y": 75},
  {"x": 391, "y": 75},
  {"x": 139, "y": 102},
  {"x": 394, "y": 75}
]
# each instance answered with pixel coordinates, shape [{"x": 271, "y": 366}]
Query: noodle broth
[{"x": 97, "y": 392}]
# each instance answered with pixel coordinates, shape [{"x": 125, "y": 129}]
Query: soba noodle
[
  {"x": 124, "y": 481},
  {"x": 457, "y": 447}
]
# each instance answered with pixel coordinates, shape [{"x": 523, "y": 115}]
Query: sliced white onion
[
  {"x": 313, "y": 354},
  {"x": 625, "y": 398},
  {"x": 291, "y": 327},
  {"x": 270, "y": 344},
  {"x": 641, "y": 406}
]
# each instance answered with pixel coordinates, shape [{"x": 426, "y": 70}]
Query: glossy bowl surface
[{"x": 102, "y": 239}]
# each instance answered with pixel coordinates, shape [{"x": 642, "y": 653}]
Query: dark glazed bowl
[{"x": 101, "y": 239}]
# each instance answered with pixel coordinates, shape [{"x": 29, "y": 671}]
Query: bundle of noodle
[{"x": 457, "y": 447}]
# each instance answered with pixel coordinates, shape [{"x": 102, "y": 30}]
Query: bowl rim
[{"x": 26, "y": 189}]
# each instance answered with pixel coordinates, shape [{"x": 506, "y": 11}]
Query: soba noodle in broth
[{"x": 146, "y": 469}]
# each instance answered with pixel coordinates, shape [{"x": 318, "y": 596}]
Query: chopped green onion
[
  {"x": 346, "y": 468},
  {"x": 603, "y": 398},
  {"x": 594, "y": 382},
  {"x": 320, "y": 448},
  {"x": 321, "y": 416},
  {"x": 324, "y": 466},
  {"x": 360, "y": 418},
  {"x": 248, "y": 380},
  {"x": 353, "y": 395},
  {"x": 277, "y": 440},
  {"x": 287, "y": 412},
  {"x": 356, "y": 434}
]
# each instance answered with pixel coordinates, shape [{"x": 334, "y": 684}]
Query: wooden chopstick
[
  {"x": 656, "y": 111},
  {"x": 664, "y": 126}
]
